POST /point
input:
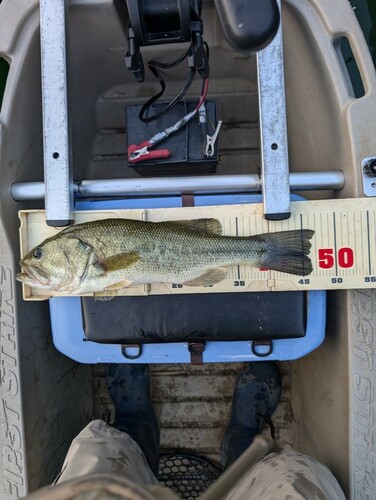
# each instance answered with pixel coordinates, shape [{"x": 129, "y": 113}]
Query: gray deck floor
[{"x": 193, "y": 405}]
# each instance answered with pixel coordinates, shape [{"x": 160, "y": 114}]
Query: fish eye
[{"x": 37, "y": 252}]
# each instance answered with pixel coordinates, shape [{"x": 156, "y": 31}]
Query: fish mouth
[{"x": 33, "y": 275}]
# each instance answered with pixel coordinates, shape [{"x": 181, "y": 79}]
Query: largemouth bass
[{"x": 111, "y": 254}]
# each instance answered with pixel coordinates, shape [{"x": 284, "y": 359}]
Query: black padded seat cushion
[{"x": 195, "y": 317}]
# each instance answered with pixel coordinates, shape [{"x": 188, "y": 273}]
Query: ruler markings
[
  {"x": 325, "y": 271},
  {"x": 364, "y": 242},
  {"x": 322, "y": 238},
  {"x": 226, "y": 233},
  {"x": 341, "y": 225},
  {"x": 352, "y": 226},
  {"x": 314, "y": 240},
  {"x": 371, "y": 236},
  {"x": 243, "y": 234},
  {"x": 237, "y": 234},
  {"x": 365, "y": 236},
  {"x": 372, "y": 240},
  {"x": 327, "y": 236},
  {"x": 361, "y": 241},
  {"x": 363, "y": 226},
  {"x": 301, "y": 237},
  {"x": 343, "y": 239},
  {"x": 369, "y": 245},
  {"x": 335, "y": 241},
  {"x": 352, "y": 243},
  {"x": 372, "y": 245},
  {"x": 366, "y": 256},
  {"x": 258, "y": 226},
  {"x": 249, "y": 232}
]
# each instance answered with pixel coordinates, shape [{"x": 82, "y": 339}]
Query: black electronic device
[
  {"x": 248, "y": 25},
  {"x": 150, "y": 22}
]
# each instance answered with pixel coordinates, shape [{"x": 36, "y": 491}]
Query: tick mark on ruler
[
  {"x": 335, "y": 241},
  {"x": 301, "y": 239},
  {"x": 369, "y": 246},
  {"x": 237, "y": 234}
]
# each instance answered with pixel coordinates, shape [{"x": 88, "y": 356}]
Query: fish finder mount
[{"x": 248, "y": 25}]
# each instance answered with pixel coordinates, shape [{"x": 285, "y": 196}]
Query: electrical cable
[
  {"x": 171, "y": 64},
  {"x": 169, "y": 106},
  {"x": 204, "y": 91},
  {"x": 153, "y": 65}
]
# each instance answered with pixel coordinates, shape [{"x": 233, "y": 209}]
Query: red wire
[{"x": 204, "y": 92}]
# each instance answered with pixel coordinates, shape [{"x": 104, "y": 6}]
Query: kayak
[{"x": 328, "y": 406}]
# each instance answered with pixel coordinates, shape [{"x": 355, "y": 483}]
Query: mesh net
[{"x": 187, "y": 475}]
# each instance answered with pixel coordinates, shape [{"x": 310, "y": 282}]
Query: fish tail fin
[{"x": 287, "y": 251}]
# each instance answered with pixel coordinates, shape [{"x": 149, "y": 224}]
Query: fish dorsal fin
[
  {"x": 207, "y": 225},
  {"x": 120, "y": 261},
  {"x": 211, "y": 277}
]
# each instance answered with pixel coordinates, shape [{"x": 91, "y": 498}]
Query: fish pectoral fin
[
  {"x": 211, "y": 277},
  {"x": 212, "y": 226},
  {"x": 117, "y": 286},
  {"x": 120, "y": 261}
]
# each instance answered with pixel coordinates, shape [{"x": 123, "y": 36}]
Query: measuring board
[{"x": 343, "y": 250}]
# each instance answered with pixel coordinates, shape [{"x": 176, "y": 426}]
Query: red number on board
[
  {"x": 345, "y": 257},
  {"x": 326, "y": 259}
]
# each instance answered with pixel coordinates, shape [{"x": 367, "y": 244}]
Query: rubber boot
[
  {"x": 256, "y": 396},
  {"x": 129, "y": 389}
]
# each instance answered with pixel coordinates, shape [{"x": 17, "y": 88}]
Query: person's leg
[
  {"x": 287, "y": 475},
  {"x": 130, "y": 447},
  {"x": 102, "y": 449}
]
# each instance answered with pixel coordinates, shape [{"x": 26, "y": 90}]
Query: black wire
[
  {"x": 169, "y": 106},
  {"x": 152, "y": 64},
  {"x": 171, "y": 64}
]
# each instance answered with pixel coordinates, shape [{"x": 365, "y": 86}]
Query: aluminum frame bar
[
  {"x": 57, "y": 171},
  {"x": 273, "y": 129},
  {"x": 299, "y": 181}
]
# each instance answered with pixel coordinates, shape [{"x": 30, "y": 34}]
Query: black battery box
[{"x": 187, "y": 146}]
